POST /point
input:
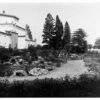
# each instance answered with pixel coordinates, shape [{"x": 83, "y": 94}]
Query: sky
[{"x": 78, "y": 15}]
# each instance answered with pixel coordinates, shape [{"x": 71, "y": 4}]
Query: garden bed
[{"x": 92, "y": 62}]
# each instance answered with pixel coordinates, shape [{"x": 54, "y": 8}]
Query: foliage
[
  {"x": 48, "y": 31},
  {"x": 5, "y": 70},
  {"x": 55, "y": 37},
  {"x": 34, "y": 51},
  {"x": 48, "y": 54},
  {"x": 53, "y": 31},
  {"x": 89, "y": 46},
  {"x": 97, "y": 43},
  {"x": 29, "y": 32},
  {"x": 59, "y": 33},
  {"x": 82, "y": 87},
  {"x": 66, "y": 37},
  {"x": 79, "y": 43},
  {"x": 4, "y": 54}
]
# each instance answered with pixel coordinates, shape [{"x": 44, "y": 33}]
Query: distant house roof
[
  {"x": 3, "y": 14},
  {"x": 9, "y": 32},
  {"x": 20, "y": 27},
  {"x": 13, "y": 25},
  {"x": 3, "y": 33}
]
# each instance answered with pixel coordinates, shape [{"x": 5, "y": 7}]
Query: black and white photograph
[{"x": 49, "y": 49}]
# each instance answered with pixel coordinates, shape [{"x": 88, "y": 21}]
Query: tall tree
[
  {"x": 66, "y": 37},
  {"x": 48, "y": 31},
  {"x": 58, "y": 32},
  {"x": 29, "y": 32},
  {"x": 79, "y": 42}
]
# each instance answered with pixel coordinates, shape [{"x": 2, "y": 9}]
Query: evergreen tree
[
  {"x": 29, "y": 32},
  {"x": 58, "y": 32},
  {"x": 78, "y": 41},
  {"x": 48, "y": 31},
  {"x": 66, "y": 37}
]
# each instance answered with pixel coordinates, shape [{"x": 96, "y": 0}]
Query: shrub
[
  {"x": 77, "y": 87},
  {"x": 5, "y": 70},
  {"x": 4, "y": 55}
]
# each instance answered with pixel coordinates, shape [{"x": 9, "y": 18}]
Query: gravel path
[{"x": 72, "y": 68}]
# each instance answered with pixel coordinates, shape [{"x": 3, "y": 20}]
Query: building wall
[
  {"x": 5, "y": 40},
  {"x": 10, "y": 27},
  {"x": 10, "y": 24},
  {"x": 21, "y": 43},
  {"x": 20, "y": 31},
  {"x": 5, "y": 19},
  {"x": 27, "y": 44},
  {"x": 14, "y": 40},
  {"x": 5, "y": 27}
]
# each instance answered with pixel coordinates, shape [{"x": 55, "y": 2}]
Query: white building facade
[{"x": 11, "y": 34}]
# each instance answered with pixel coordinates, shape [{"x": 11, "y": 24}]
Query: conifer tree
[
  {"x": 66, "y": 37},
  {"x": 58, "y": 32},
  {"x": 29, "y": 32},
  {"x": 48, "y": 31},
  {"x": 79, "y": 42}
]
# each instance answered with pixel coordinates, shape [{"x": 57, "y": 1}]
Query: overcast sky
[{"x": 78, "y": 15}]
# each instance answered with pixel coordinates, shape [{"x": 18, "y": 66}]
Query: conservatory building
[{"x": 12, "y": 34}]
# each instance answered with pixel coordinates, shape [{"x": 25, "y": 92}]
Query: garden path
[{"x": 71, "y": 68}]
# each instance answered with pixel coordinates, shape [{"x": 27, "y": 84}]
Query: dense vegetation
[
  {"x": 59, "y": 37},
  {"x": 82, "y": 87},
  {"x": 56, "y": 38},
  {"x": 6, "y": 68}
]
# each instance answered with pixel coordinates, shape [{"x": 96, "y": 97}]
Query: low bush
[
  {"x": 5, "y": 70},
  {"x": 82, "y": 87}
]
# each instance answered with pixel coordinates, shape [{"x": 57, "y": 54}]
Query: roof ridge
[
  {"x": 1, "y": 14},
  {"x": 20, "y": 27}
]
